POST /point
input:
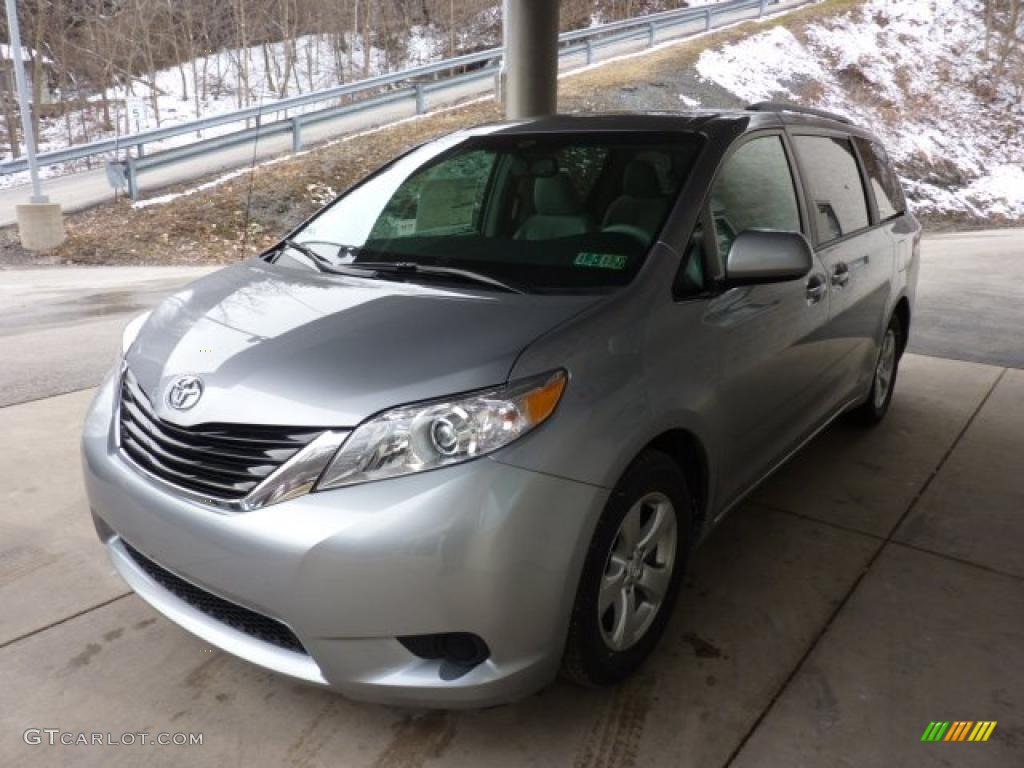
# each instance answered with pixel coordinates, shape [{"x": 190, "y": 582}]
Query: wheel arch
[
  {"x": 690, "y": 455},
  {"x": 902, "y": 311}
]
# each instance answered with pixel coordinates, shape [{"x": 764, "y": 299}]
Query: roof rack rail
[{"x": 781, "y": 106}]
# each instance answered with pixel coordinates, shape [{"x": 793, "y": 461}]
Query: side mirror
[{"x": 760, "y": 256}]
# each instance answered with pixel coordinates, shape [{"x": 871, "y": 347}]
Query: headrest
[
  {"x": 641, "y": 180},
  {"x": 555, "y": 196}
]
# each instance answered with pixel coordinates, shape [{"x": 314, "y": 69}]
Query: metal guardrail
[{"x": 586, "y": 42}]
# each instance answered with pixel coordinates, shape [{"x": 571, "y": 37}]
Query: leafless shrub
[{"x": 934, "y": 170}]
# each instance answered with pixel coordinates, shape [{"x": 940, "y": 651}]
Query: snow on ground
[
  {"x": 599, "y": 17},
  {"x": 910, "y": 70},
  {"x": 315, "y": 67}
]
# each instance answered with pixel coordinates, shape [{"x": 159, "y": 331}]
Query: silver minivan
[{"x": 462, "y": 428}]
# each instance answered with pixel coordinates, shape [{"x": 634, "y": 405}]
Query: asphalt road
[
  {"x": 60, "y": 326},
  {"x": 82, "y": 190},
  {"x": 970, "y": 302}
]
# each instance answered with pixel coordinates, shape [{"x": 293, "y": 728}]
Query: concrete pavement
[
  {"x": 48, "y": 564},
  {"x": 923, "y": 638},
  {"x": 808, "y": 634}
]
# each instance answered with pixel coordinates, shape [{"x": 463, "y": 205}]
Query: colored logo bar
[{"x": 959, "y": 730}]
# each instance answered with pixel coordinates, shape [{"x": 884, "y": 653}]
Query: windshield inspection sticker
[{"x": 600, "y": 260}]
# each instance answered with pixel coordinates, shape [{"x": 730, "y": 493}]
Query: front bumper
[{"x": 481, "y": 547}]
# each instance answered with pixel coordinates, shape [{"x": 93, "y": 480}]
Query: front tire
[
  {"x": 632, "y": 573},
  {"x": 883, "y": 382}
]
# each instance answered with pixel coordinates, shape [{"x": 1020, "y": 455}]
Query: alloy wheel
[
  {"x": 638, "y": 571},
  {"x": 885, "y": 368}
]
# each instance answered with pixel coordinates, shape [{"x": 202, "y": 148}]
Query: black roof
[
  {"x": 622, "y": 121},
  {"x": 762, "y": 115}
]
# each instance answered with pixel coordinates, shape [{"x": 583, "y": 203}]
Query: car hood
[{"x": 283, "y": 346}]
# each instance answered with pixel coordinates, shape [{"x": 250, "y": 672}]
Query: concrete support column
[
  {"x": 40, "y": 225},
  {"x": 531, "y": 58},
  {"x": 40, "y": 222}
]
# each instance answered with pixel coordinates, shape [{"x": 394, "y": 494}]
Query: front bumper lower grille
[
  {"x": 223, "y": 462},
  {"x": 235, "y": 616}
]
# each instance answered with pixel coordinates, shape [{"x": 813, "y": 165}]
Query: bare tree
[{"x": 99, "y": 51}]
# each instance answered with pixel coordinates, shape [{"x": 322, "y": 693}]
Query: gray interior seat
[
  {"x": 641, "y": 203},
  {"x": 558, "y": 210}
]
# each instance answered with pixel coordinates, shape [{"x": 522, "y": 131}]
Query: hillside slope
[
  {"x": 916, "y": 72},
  {"x": 258, "y": 75}
]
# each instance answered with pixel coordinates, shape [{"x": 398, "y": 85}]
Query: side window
[
  {"x": 690, "y": 279},
  {"x": 883, "y": 179},
  {"x": 754, "y": 190},
  {"x": 444, "y": 199},
  {"x": 837, "y": 196}
]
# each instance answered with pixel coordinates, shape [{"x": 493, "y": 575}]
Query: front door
[{"x": 773, "y": 383}]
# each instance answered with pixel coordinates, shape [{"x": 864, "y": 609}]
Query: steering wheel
[{"x": 640, "y": 235}]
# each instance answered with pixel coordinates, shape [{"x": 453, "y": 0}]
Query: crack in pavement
[
  {"x": 66, "y": 619},
  {"x": 884, "y": 543}
]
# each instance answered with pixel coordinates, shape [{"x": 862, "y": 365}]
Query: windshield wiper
[
  {"x": 324, "y": 264},
  {"x": 429, "y": 270}
]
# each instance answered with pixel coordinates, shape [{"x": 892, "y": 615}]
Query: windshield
[{"x": 546, "y": 213}]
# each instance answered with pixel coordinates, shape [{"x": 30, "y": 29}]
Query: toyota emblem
[{"x": 185, "y": 392}]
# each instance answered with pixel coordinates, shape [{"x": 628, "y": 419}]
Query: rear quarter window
[
  {"x": 837, "y": 199},
  {"x": 885, "y": 184}
]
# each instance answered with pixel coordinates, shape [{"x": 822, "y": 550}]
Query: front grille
[
  {"x": 219, "y": 461},
  {"x": 251, "y": 623}
]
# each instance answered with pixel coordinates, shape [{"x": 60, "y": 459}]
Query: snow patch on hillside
[
  {"x": 914, "y": 72},
  {"x": 228, "y": 80}
]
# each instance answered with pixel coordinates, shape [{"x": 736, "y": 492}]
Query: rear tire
[
  {"x": 883, "y": 382},
  {"x": 632, "y": 573}
]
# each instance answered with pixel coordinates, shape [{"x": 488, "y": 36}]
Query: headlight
[
  {"x": 435, "y": 434},
  {"x": 131, "y": 331}
]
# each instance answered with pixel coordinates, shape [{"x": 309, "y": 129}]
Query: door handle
[
  {"x": 840, "y": 274},
  {"x": 816, "y": 288}
]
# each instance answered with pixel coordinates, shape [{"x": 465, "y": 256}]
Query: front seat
[
  {"x": 558, "y": 210},
  {"x": 641, "y": 204}
]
